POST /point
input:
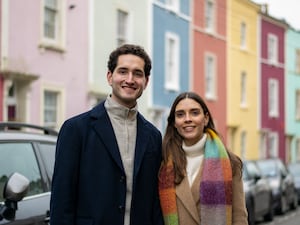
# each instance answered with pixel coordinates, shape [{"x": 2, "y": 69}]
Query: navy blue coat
[{"x": 89, "y": 182}]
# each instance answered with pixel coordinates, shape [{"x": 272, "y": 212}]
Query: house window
[
  {"x": 298, "y": 105},
  {"x": 263, "y": 145},
  {"x": 53, "y": 26},
  {"x": 273, "y": 98},
  {"x": 210, "y": 76},
  {"x": 298, "y": 61},
  {"x": 122, "y": 27},
  {"x": 243, "y": 89},
  {"x": 172, "y": 5},
  {"x": 298, "y": 149},
  {"x": 273, "y": 49},
  {"x": 243, "y": 144},
  {"x": 172, "y": 62},
  {"x": 243, "y": 35},
  {"x": 50, "y": 108},
  {"x": 50, "y": 21},
  {"x": 209, "y": 15},
  {"x": 273, "y": 144}
]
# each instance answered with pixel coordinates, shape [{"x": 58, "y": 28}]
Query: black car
[
  {"x": 282, "y": 183},
  {"x": 28, "y": 150},
  {"x": 258, "y": 193},
  {"x": 294, "y": 168}
]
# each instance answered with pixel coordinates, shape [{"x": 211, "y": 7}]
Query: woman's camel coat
[{"x": 189, "y": 212}]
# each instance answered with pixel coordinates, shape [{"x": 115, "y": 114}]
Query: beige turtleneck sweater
[
  {"x": 124, "y": 124},
  {"x": 194, "y": 156}
]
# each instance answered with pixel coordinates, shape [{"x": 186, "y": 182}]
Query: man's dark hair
[{"x": 129, "y": 49}]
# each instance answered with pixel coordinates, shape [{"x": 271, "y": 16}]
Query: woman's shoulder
[{"x": 236, "y": 163}]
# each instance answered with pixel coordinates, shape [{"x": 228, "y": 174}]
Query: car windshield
[{"x": 268, "y": 168}]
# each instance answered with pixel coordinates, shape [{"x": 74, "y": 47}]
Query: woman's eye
[
  {"x": 179, "y": 115},
  {"x": 195, "y": 113}
]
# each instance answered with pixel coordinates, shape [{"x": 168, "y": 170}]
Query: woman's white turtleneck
[{"x": 194, "y": 156}]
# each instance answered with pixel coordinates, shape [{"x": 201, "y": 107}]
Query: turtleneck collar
[
  {"x": 119, "y": 111},
  {"x": 196, "y": 149}
]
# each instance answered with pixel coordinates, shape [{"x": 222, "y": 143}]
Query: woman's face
[{"x": 190, "y": 120}]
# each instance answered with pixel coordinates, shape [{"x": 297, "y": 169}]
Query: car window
[
  {"x": 20, "y": 157},
  {"x": 48, "y": 157},
  {"x": 282, "y": 168},
  {"x": 252, "y": 170}
]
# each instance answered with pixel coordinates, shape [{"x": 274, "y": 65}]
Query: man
[{"x": 107, "y": 159}]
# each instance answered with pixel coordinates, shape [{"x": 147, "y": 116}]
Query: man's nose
[{"x": 130, "y": 77}]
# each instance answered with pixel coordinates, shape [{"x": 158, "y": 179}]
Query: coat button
[
  {"x": 122, "y": 179},
  {"x": 121, "y": 208}
]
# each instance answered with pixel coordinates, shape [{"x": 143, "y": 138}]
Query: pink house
[
  {"x": 272, "y": 69},
  {"x": 209, "y": 57},
  {"x": 43, "y": 60}
]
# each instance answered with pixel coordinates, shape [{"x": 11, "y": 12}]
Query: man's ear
[
  {"x": 109, "y": 77},
  {"x": 147, "y": 81}
]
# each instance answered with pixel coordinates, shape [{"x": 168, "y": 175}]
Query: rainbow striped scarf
[{"x": 215, "y": 186}]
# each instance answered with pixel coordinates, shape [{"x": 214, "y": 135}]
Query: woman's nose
[{"x": 187, "y": 117}]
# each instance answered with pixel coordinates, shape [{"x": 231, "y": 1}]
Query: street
[{"x": 290, "y": 218}]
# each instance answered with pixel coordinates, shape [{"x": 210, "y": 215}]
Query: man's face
[{"x": 128, "y": 80}]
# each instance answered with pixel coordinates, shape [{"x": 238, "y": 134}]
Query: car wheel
[
  {"x": 270, "y": 215},
  {"x": 251, "y": 214},
  {"x": 283, "y": 204},
  {"x": 294, "y": 204}
]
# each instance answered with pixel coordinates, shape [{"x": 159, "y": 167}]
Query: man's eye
[{"x": 139, "y": 73}]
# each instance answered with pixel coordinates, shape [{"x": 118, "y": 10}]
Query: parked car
[
  {"x": 258, "y": 193},
  {"x": 29, "y": 150},
  {"x": 294, "y": 168},
  {"x": 282, "y": 183}
]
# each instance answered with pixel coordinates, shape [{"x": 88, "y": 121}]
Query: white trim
[
  {"x": 179, "y": 14},
  {"x": 4, "y": 34}
]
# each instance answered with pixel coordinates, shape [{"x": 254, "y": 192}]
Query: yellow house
[{"x": 243, "y": 78}]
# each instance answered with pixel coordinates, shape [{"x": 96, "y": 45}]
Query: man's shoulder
[
  {"x": 87, "y": 115},
  {"x": 148, "y": 124}
]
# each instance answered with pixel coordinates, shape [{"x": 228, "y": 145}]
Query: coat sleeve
[
  {"x": 239, "y": 211},
  {"x": 64, "y": 181}
]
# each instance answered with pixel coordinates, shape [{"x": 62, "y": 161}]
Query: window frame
[
  {"x": 173, "y": 5},
  {"x": 122, "y": 26},
  {"x": 58, "y": 42},
  {"x": 243, "y": 40},
  {"x": 210, "y": 84},
  {"x": 273, "y": 144},
  {"x": 210, "y": 16},
  {"x": 273, "y": 49},
  {"x": 172, "y": 61},
  {"x": 297, "y": 105},
  {"x": 273, "y": 98},
  {"x": 243, "y": 89}
]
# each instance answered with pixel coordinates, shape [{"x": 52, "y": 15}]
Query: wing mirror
[{"x": 14, "y": 190}]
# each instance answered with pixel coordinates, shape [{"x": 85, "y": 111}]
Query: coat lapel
[
  {"x": 104, "y": 130},
  {"x": 141, "y": 143},
  {"x": 184, "y": 195}
]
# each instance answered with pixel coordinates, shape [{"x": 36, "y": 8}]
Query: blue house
[
  {"x": 292, "y": 95},
  {"x": 170, "y": 54}
]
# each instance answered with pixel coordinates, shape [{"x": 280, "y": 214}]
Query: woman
[{"x": 200, "y": 182}]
